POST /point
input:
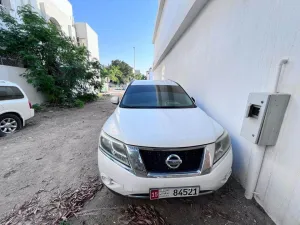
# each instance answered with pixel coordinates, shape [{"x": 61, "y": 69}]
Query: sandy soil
[
  {"x": 58, "y": 150},
  {"x": 226, "y": 206}
]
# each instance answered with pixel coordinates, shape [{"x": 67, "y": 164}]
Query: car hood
[{"x": 162, "y": 127}]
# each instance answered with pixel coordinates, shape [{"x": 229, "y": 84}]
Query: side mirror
[
  {"x": 193, "y": 100},
  {"x": 115, "y": 100}
]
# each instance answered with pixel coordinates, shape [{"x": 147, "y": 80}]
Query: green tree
[
  {"x": 127, "y": 71},
  {"x": 115, "y": 74},
  {"x": 54, "y": 64},
  {"x": 104, "y": 71},
  {"x": 140, "y": 76},
  {"x": 120, "y": 72}
]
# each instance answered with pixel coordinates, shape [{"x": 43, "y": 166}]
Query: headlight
[
  {"x": 114, "y": 148},
  {"x": 222, "y": 146}
]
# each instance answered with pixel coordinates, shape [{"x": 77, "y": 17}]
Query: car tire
[{"x": 16, "y": 124}]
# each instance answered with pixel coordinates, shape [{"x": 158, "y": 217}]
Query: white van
[{"x": 15, "y": 108}]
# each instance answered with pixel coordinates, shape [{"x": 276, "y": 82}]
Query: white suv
[
  {"x": 15, "y": 108},
  {"x": 159, "y": 144}
]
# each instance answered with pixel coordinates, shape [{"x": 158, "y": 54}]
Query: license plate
[{"x": 173, "y": 192}]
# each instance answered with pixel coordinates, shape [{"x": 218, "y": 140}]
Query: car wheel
[{"x": 9, "y": 124}]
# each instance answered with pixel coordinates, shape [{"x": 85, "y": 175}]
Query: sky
[{"x": 121, "y": 25}]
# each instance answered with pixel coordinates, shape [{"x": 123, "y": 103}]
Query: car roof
[
  {"x": 154, "y": 82},
  {"x": 7, "y": 83}
]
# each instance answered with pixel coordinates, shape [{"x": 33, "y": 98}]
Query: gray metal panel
[
  {"x": 252, "y": 126},
  {"x": 273, "y": 119}
]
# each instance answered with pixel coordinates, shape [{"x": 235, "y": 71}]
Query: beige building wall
[
  {"x": 88, "y": 37},
  {"x": 59, "y": 12}
]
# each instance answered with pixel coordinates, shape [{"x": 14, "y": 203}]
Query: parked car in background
[
  {"x": 159, "y": 144},
  {"x": 15, "y": 108}
]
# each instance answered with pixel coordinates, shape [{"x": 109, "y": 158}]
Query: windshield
[{"x": 156, "y": 96}]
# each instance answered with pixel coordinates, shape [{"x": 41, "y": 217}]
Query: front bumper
[{"x": 124, "y": 182}]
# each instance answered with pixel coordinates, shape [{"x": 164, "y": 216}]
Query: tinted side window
[{"x": 9, "y": 93}]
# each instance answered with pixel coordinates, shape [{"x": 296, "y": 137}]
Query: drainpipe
[
  {"x": 257, "y": 157},
  {"x": 258, "y": 152},
  {"x": 279, "y": 72}
]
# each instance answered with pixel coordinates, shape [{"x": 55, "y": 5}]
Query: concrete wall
[
  {"x": 63, "y": 5},
  {"x": 81, "y": 33},
  {"x": 16, "y": 3},
  {"x": 231, "y": 49},
  {"x": 12, "y": 5},
  {"x": 89, "y": 38},
  {"x": 93, "y": 44},
  {"x": 169, "y": 23},
  {"x": 61, "y": 12},
  {"x": 12, "y": 74}
]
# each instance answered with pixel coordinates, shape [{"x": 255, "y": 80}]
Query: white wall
[
  {"x": 169, "y": 23},
  {"x": 16, "y": 3},
  {"x": 93, "y": 44},
  {"x": 81, "y": 33},
  {"x": 62, "y": 12},
  {"x": 63, "y": 5},
  {"x": 89, "y": 38},
  {"x": 233, "y": 48},
  {"x": 12, "y": 74},
  {"x": 12, "y": 5}
]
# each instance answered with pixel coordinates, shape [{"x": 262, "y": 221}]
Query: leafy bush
[
  {"x": 54, "y": 64},
  {"x": 78, "y": 103},
  {"x": 89, "y": 97},
  {"x": 37, "y": 107}
]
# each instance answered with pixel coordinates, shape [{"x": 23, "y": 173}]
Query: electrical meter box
[{"x": 263, "y": 117}]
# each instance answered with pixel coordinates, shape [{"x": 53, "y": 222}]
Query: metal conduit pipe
[{"x": 258, "y": 152}]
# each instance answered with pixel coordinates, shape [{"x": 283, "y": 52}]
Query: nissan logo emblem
[{"x": 173, "y": 161}]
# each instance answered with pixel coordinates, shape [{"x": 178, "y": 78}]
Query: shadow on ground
[{"x": 226, "y": 206}]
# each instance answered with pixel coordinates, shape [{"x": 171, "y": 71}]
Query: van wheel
[{"x": 9, "y": 124}]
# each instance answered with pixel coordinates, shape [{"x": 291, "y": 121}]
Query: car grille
[{"x": 155, "y": 160}]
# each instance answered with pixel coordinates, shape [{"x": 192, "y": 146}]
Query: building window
[{"x": 81, "y": 41}]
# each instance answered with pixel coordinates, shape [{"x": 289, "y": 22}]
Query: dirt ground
[{"x": 57, "y": 150}]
